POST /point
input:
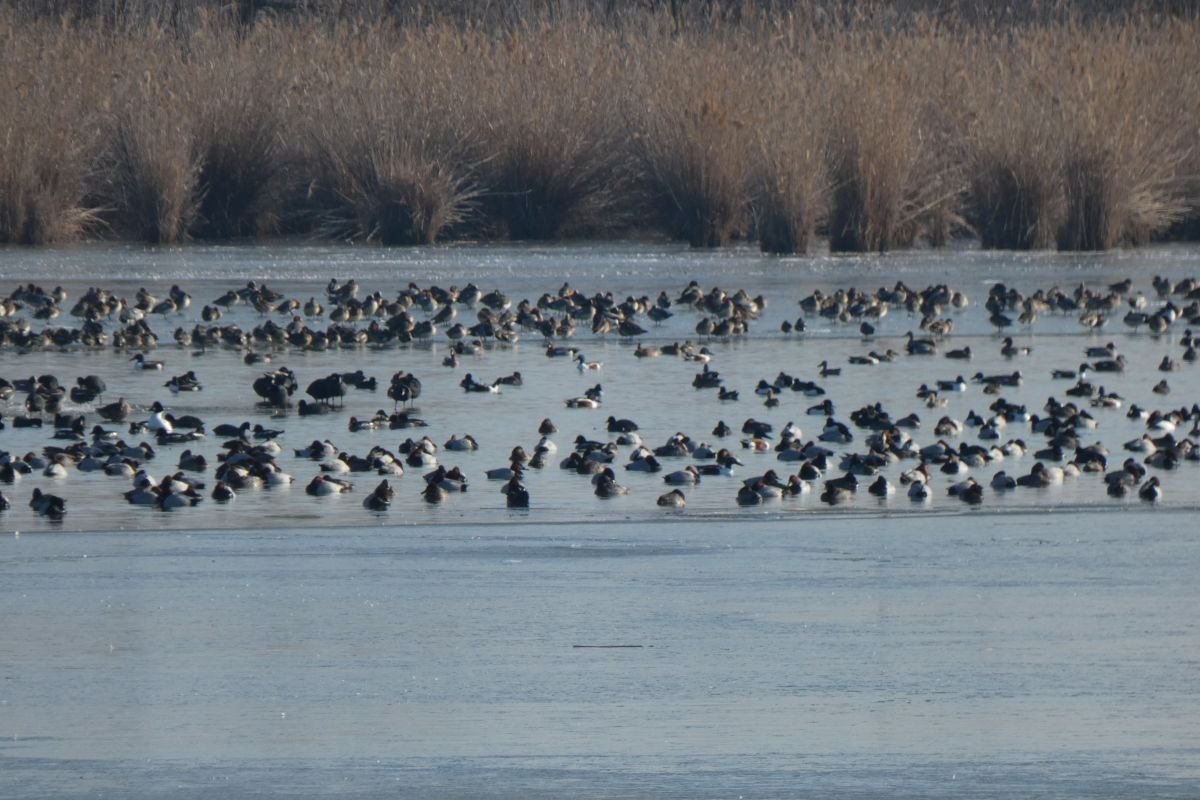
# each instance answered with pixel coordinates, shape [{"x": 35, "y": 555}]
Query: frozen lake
[{"x": 1041, "y": 644}]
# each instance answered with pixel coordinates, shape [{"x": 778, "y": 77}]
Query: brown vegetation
[{"x": 404, "y": 123}]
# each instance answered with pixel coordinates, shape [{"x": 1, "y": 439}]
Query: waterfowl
[
  {"x": 140, "y": 362},
  {"x": 515, "y": 493},
  {"x": 223, "y": 492},
  {"x": 469, "y": 384},
  {"x": 452, "y": 480},
  {"x": 958, "y": 384},
  {"x": 461, "y": 444},
  {"x": 587, "y": 366},
  {"x": 919, "y": 347},
  {"x": 748, "y": 494},
  {"x": 1151, "y": 490},
  {"x": 607, "y": 486},
  {"x": 187, "y": 382},
  {"x": 322, "y": 485},
  {"x": 1002, "y": 481},
  {"x": 118, "y": 411},
  {"x": 1038, "y": 477},
  {"x": 687, "y": 476},
  {"x": 262, "y": 433},
  {"x": 50, "y": 506},
  {"x": 881, "y": 487},
  {"x": 827, "y": 371},
  {"x": 644, "y": 462},
  {"x": 513, "y": 379},
  {"x": 615, "y": 425},
  {"x": 672, "y": 499},
  {"x": 158, "y": 421},
  {"x": 380, "y": 499}
]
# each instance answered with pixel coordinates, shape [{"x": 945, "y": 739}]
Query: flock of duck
[{"x": 873, "y": 448}]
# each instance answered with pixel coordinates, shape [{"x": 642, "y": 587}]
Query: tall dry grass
[
  {"x": 892, "y": 182},
  {"x": 789, "y": 181},
  {"x": 556, "y": 160},
  {"x": 1011, "y": 147},
  {"x": 691, "y": 134},
  {"x": 241, "y": 85},
  {"x": 402, "y": 122},
  {"x": 1126, "y": 151},
  {"x": 49, "y": 132},
  {"x": 385, "y": 136}
]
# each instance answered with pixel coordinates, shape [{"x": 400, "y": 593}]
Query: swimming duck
[
  {"x": 587, "y": 366},
  {"x": 187, "y": 382},
  {"x": 140, "y": 362}
]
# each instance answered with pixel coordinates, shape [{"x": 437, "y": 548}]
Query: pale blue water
[{"x": 1042, "y": 645}]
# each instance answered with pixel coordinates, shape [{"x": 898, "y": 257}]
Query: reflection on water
[{"x": 287, "y": 645}]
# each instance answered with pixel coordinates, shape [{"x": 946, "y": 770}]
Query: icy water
[{"x": 1043, "y": 644}]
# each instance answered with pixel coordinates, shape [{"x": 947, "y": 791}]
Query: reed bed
[{"x": 875, "y": 131}]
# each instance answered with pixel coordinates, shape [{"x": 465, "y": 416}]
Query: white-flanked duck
[
  {"x": 587, "y": 366},
  {"x": 461, "y": 444},
  {"x": 323, "y": 485},
  {"x": 140, "y": 362}
]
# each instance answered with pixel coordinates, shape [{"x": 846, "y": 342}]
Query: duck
[
  {"x": 1002, "y": 481},
  {"x": 380, "y": 499},
  {"x": 687, "y": 476},
  {"x": 461, "y": 444},
  {"x": 672, "y": 499},
  {"x": 322, "y": 485},
  {"x": 827, "y": 371},
  {"x": 140, "y": 362},
  {"x": 584, "y": 365},
  {"x": 748, "y": 494},
  {"x": 881, "y": 487},
  {"x": 50, "y": 506},
  {"x": 1151, "y": 490},
  {"x": 158, "y": 421},
  {"x": 643, "y": 461},
  {"x": 434, "y": 493},
  {"x": 117, "y": 411},
  {"x": 607, "y": 486},
  {"x": 515, "y": 493},
  {"x": 187, "y": 382},
  {"x": 223, "y": 492}
]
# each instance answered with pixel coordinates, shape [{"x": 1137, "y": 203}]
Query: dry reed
[
  {"x": 397, "y": 123},
  {"x": 691, "y": 138}
]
